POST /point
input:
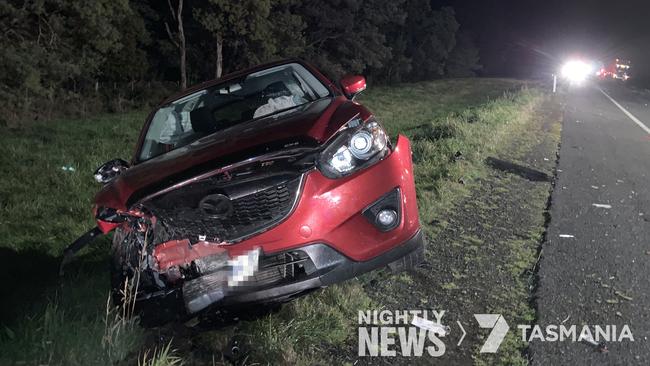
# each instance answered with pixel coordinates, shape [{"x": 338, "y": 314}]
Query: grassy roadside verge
[
  {"x": 454, "y": 124},
  {"x": 449, "y": 147},
  {"x": 482, "y": 254}
]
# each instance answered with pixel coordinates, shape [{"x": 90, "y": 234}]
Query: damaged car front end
[{"x": 255, "y": 189}]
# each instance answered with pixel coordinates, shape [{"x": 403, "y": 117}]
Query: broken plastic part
[
  {"x": 111, "y": 215},
  {"x": 437, "y": 328},
  {"x": 77, "y": 245},
  {"x": 204, "y": 291}
]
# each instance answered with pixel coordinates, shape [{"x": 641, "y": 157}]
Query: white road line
[{"x": 632, "y": 117}]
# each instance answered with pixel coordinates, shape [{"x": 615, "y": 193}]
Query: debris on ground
[
  {"x": 601, "y": 205},
  {"x": 598, "y": 347},
  {"x": 437, "y": 328},
  {"x": 622, "y": 295},
  {"x": 565, "y": 319}
]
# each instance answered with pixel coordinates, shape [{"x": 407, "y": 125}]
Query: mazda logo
[{"x": 216, "y": 206}]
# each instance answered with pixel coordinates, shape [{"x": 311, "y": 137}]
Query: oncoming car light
[
  {"x": 576, "y": 71},
  {"x": 357, "y": 145}
]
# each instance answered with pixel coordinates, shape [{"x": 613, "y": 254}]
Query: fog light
[
  {"x": 386, "y": 217},
  {"x": 385, "y": 213}
]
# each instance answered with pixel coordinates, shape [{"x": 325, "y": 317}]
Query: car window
[{"x": 207, "y": 111}]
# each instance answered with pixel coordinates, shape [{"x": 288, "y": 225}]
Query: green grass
[
  {"x": 47, "y": 319},
  {"x": 403, "y": 108},
  {"x": 165, "y": 356},
  {"x": 42, "y": 206},
  {"x": 52, "y": 320},
  {"x": 304, "y": 329},
  {"x": 76, "y": 327},
  {"x": 453, "y": 125}
]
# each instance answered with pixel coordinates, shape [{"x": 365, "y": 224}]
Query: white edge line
[{"x": 632, "y": 117}]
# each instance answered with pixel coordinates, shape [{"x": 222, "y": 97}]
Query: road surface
[{"x": 595, "y": 263}]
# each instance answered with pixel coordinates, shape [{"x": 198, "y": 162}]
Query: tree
[
  {"x": 430, "y": 37},
  {"x": 51, "y": 46},
  {"x": 349, "y": 36},
  {"x": 52, "y": 50},
  {"x": 130, "y": 61},
  {"x": 283, "y": 36},
  {"x": 178, "y": 38},
  {"x": 464, "y": 58},
  {"x": 250, "y": 31},
  {"x": 226, "y": 19}
]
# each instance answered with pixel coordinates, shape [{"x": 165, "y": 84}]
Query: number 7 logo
[{"x": 499, "y": 330}]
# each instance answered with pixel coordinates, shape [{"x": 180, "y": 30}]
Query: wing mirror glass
[
  {"x": 110, "y": 170},
  {"x": 352, "y": 85}
]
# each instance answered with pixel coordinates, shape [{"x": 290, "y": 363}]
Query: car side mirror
[
  {"x": 352, "y": 85},
  {"x": 110, "y": 170}
]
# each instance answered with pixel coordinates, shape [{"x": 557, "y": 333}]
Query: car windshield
[{"x": 210, "y": 110}]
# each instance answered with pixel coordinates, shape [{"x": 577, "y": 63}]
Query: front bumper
[
  {"x": 330, "y": 267},
  {"x": 327, "y": 224}
]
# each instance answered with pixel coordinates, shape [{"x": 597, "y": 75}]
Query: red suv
[{"x": 256, "y": 188}]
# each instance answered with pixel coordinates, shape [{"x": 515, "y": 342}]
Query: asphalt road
[{"x": 595, "y": 263}]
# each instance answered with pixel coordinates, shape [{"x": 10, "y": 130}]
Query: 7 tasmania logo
[{"x": 416, "y": 333}]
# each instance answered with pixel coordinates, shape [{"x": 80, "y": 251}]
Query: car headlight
[
  {"x": 357, "y": 145},
  {"x": 576, "y": 71}
]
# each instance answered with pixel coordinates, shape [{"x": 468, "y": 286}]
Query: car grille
[
  {"x": 285, "y": 266},
  {"x": 251, "y": 213}
]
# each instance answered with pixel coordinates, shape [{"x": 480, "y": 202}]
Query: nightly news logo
[
  {"x": 415, "y": 332},
  {"x": 385, "y": 329}
]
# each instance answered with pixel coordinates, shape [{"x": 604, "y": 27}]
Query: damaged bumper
[
  {"x": 304, "y": 269},
  {"x": 330, "y": 267}
]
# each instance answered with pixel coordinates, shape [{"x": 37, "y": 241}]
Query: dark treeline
[{"x": 69, "y": 56}]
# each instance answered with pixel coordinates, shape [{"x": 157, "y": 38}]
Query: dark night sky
[{"x": 514, "y": 35}]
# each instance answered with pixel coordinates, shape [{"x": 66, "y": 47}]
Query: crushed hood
[{"x": 309, "y": 126}]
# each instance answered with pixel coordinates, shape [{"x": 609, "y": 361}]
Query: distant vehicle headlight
[{"x": 576, "y": 71}]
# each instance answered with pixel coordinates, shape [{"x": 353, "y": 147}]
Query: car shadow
[{"x": 30, "y": 277}]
